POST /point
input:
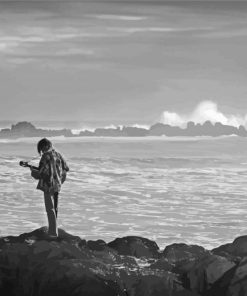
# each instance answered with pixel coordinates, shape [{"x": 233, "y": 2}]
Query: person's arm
[
  {"x": 65, "y": 169},
  {"x": 64, "y": 164},
  {"x": 36, "y": 171}
]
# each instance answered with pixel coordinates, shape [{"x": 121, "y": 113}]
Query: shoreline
[
  {"x": 109, "y": 138},
  {"x": 192, "y": 129}
]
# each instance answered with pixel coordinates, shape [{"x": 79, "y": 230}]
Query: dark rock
[
  {"x": 135, "y": 246},
  {"x": 238, "y": 284},
  {"x": 239, "y": 281},
  {"x": 197, "y": 267},
  {"x": 165, "y": 285},
  {"x": 31, "y": 264},
  {"x": 86, "y": 133},
  {"x": 134, "y": 131},
  {"x": 234, "y": 282},
  {"x": 206, "y": 271},
  {"x": 223, "y": 251},
  {"x": 65, "y": 277},
  {"x": 162, "y": 264},
  {"x": 238, "y": 247},
  {"x": 98, "y": 245},
  {"x": 182, "y": 252},
  {"x": 230, "y": 284},
  {"x": 22, "y": 127},
  {"x": 108, "y": 132},
  {"x": 193, "y": 130},
  {"x": 242, "y": 131},
  {"x": 160, "y": 129},
  {"x": 27, "y": 129},
  {"x": 42, "y": 234},
  {"x": 235, "y": 250}
]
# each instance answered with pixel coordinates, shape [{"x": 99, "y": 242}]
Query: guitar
[
  {"x": 25, "y": 164},
  {"x": 34, "y": 170}
]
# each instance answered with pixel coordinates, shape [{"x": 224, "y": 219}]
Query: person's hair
[{"x": 43, "y": 143}]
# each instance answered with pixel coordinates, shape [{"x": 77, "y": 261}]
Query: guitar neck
[
  {"x": 26, "y": 165},
  {"x": 32, "y": 167}
]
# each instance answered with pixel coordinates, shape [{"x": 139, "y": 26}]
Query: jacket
[{"x": 52, "y": 170}]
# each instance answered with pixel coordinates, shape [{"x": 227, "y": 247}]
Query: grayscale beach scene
[{"x": 130, "y": 117}]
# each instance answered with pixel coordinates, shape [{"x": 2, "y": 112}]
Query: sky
[{"x": 123, "y": 62}]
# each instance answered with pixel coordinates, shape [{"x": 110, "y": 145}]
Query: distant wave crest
[{"x": 205, "y": 110}]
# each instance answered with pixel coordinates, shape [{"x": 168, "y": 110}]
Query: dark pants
[
  {"x": 51, "y": 206},
  {"x": 55, "y": 197}
]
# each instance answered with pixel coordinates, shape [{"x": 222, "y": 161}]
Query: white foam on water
[{"x": 147, "y": 188}]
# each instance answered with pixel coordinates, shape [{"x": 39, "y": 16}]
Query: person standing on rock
[{"x": 51, "y": 174}]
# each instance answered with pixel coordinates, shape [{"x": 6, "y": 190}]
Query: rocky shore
[
  {"x": 27, "y": 129},
  {"x": 32, "y": 264}
]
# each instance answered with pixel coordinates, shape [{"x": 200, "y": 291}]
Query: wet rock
[
  {"x": 32, "y": 264},
  {"x": 135, "y": 246},
  {"x": 162, "y": 264},
  {"x": 206, "y": 271},
  {"x": 238, "y": 283},
  {"x": 182, "y": 258},
  {"x": 176, "y": 253},
  {"x": 235, "y": 250},
  {"x": 42, "y": 234},
  {"x": 155, "y": 286},
  {"x": 198, "y": 268},
  {"x": 223, "y": 252},
  {"x": 221, "y": 285},
  {"x": 98, "y": 245},
  {"x": 233, "y": 283}
]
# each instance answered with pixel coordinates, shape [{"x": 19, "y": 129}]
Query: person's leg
[
  {"x": 56, "y": 202},
  {"x": 51, "y": 215}
]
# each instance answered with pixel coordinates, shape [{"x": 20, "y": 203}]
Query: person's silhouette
[{"x": 52, "y": 172}]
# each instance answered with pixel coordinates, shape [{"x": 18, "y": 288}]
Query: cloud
[
  {"x": 226, "y": 33},
  {"x": 206, "y": 110},
  {"x": 118, "y": 17},
  {"x": 132, "y": 30},
  {"x": 74, "y": 52},
  {"x": 39, "y": 44},
  {"x": 9, "y": 44}
]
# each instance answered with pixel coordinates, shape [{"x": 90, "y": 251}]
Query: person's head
[{"x": 44, "y": 145}]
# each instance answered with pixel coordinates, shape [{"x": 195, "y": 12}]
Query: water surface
[{"x": 169, "y": 190}]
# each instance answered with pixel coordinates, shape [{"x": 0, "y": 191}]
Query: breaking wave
[{"x": 205, "y": 110}]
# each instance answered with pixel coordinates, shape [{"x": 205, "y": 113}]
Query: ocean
[{"x": 190, "y": 190}]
